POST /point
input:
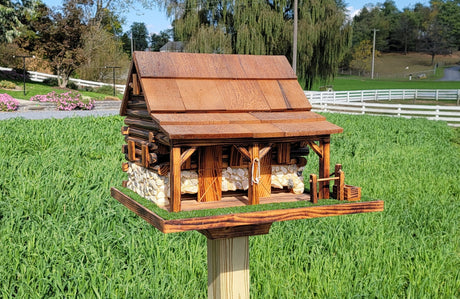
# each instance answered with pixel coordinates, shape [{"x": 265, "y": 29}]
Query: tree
[
  {"x": 362, "y": 56},
  {"x": 139, "y": 36},
  {"x": 11, "y": 18},
  {"x": 449, "y": 17},
  {"x": 61, "y": 40},
  {"x": 434, "y": 37},
  {"x": 159, "y": 40},
  {"x": 101, "y": 49},
  {"x": 266, "y": 27}
]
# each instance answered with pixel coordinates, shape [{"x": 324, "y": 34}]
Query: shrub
[
  {"x": 7, "y": 84},
  {"x": 106, "y": 89},
  {"x": 72, "y": 85},
  {"x": 7, "y": 103},
  {"x": 50, "y": 81},
  {"x": 66, "y": 101}
]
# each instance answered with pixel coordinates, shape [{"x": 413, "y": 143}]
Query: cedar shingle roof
[{"x": 214, "y": 96}]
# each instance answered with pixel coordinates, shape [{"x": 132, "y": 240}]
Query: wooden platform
[{"x": 248, "y": 222}]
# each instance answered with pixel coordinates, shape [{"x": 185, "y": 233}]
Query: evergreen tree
[{"x": 139, "y": 35}]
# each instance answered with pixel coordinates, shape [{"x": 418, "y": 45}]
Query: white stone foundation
[{"x": 152, "y": 186}]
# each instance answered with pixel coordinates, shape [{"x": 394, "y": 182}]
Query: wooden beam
[
  {"x": 136, "y": 88},
  {"x": 185, "y": 155},
  {"x": 317, "y": 149},
  {"x": 313, "y": 188},
  {"x": 131, "y": 150},
  {"x": 145, "y": 156},
  {"x": 254, "y": 171},
  {"x": 324, "y": 167},
  {"x": 265, "y": 151},
  {"x": 243, "y": 151},
  {"x": 210, "y": 173},
  {"x": 265, "y": 183},
  {"x": 174, "y": 180}
]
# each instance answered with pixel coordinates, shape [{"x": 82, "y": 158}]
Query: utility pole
[
  {"x": 373, "y": 54},
  {"x": 113, "y": 71},
  {"x": 24, "y": 67},
  {"x": 294, "y": 42}
]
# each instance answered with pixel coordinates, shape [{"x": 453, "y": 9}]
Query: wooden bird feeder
[{"x": 207, "y": 131}]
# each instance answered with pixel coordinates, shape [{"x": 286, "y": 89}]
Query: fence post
[
  {"x": 458, "y": 97},
  {"x": 348, "y": 97},
  {"x": 437, "y": 95}
]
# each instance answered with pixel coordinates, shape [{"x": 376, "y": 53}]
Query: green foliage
[
  {"x": 50, "y": 81},
  {"x": 362, "y": 56},
  {"x": 7, "y": 84},
  {"x": 139, "y": 35},
  {"x": 266, "y": 28},
  {"x": 105, "y": 89},
  {"x": 62, "y": 235},
  {"x": 159, "y": 40}
]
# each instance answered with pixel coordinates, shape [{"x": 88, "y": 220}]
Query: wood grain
[
  {"x": 210, "y": 173},
  {"x": 251, "y": 218}
]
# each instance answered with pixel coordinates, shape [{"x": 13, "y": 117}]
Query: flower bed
[
  {"x": 8, "y": 103},
  {"x": 69, "y": 100}
]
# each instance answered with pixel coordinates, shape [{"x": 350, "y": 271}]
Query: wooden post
[
  {"x": 324, "y": 167},
  {"x": 313, "y": 188},
  {"x": 254, "y": 171},
  {"x": 228, "y": 268},
  {"x": 210, "y": 173},
  {"x": 174, "y": 179}
]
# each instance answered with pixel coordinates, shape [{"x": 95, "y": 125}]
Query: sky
[{"x": 156, "y": 19}]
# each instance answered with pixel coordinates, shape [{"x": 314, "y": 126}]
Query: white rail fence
[
  {"x": 356, "y": 102},
  {"x": 40, "y": 77},
  {"x": 385, "y": 95}
]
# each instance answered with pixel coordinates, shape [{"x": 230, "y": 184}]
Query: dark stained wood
[
  {"x": 251, "y": 218},
  {"x": 146, "y": 124},
  {"x": 210, "y": 174},
  {"x": 313, "y": 188},
  {"x": 254, "y": 171},
  {"x": 236, "y": 231},
  {"x": 187, "y": 154},
  {"x": 131, "y": 150},
  {"x": 283, "y": 153},
  {"x": 324, "y": 168},
  {"x": 138, "y": 113},
  {"x": 135, "y": 85}
]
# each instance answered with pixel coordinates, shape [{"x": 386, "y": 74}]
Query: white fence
[
  {"x": 39, "y": 77},
  {"x": 355, "y": 102},
  {"x": 384, "y": 95}
]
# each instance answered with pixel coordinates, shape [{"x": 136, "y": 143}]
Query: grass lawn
[{"x": 62, "y": 235}]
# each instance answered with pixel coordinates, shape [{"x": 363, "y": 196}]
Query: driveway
[{"x": 451, "y": 74}]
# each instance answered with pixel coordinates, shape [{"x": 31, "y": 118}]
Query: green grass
[
  {"x": 225, "y": 211},
  {"x": 62, "y": 235},
  {"x": 34, "y": 88}
]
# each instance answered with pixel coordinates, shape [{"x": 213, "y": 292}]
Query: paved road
[
  {"x": 451, "y": 74},
  {"x": 57, "y": 114}
]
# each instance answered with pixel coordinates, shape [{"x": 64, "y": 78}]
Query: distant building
[{"x": 173, "y": 47}]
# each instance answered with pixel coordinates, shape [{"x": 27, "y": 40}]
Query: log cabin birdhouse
[{"x": 211, "y": 130}]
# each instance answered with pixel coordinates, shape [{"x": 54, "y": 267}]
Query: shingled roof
[{"x": 214, "y": 96}]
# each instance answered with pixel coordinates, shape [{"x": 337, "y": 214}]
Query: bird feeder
[{"x": 211, "y": 131}]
